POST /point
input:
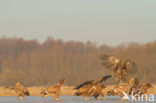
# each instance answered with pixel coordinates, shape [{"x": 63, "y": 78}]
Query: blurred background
[{"x": 43, "y": 41}]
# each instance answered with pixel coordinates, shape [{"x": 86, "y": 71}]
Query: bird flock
[{"x": 92, "y": 88}]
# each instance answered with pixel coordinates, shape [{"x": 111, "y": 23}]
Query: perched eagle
[
  {"x": 21, "y": 91},
  {"x": 99, "y": 88},
  {"x": 135, "y": 87},
  {"x": 120, "y": 69},
  {"x": 54, "y": 90},
  {"x": 139, "y": 89},
  {"x": 144, "y": 88},
  {"x": 119, "y": 89},
  {"x": 84, "y": 89},
  {"x": 91, "y": 88}
]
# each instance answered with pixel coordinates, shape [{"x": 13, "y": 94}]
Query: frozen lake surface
[{"x": 64, "y": 99}]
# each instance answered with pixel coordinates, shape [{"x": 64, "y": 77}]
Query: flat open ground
[{"x": 35, "y": 91}]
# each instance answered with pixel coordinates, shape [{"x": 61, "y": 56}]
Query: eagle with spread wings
[
  {"x": 92, "y": 88},
  {"x": 121, "y": 69}
]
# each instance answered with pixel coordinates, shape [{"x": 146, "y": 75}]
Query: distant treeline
[{"x": 35, "y": 64}]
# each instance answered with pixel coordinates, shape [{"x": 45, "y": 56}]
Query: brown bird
[
  {"x": 99, "y": 88},
  {"x": 84, "y": 89},
  {"x": 139, "y": 89},
  {"x": 119, "y": 89},
  {"x": 91, "y": 88},
  {"x": 120, "y": 69},
  {"x": 54, "y": 90},
  {"x": 135, "y": 87},
  {"x": 144, "y": 88},
  {"x": 21, "y": 91}
]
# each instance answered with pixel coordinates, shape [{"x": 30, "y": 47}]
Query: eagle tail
[
  {"x": 77, "y": 94},
  {"x": 106, "y": 78},
  {"x": 27, "y": 93}
]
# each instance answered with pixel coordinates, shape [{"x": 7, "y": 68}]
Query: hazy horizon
[{"x": 103, "y": 22}]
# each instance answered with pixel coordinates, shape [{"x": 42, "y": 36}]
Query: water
[{"x": 64, "y": 99}]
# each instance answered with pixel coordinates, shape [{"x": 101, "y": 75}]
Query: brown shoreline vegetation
[
  {"x": 68, "y": 90},
  {"x": 36, "y": 64}
]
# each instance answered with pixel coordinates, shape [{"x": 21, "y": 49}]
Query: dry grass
[
  {"x": 6, "y": 92},
  {"x": 35, "y": 91}
]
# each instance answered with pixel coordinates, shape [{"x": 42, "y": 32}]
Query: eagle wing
[
  {"x": 111, "y": 62},
  {"x": 104, "y": 78},
  {"x": 25, "y": 91},
  {"x": 84, "y": 83},
  {"x": 54, "y": 89},
  {"x": 129, "y": 67}
]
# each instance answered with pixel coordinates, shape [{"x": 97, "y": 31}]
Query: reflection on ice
[{"x": 64, "y": 99}]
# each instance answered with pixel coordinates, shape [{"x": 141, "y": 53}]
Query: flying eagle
[
  {"x": 54, "y": 90},
  {"x": 21, "y": 91},
  {"x": 91, "y": 88},
  {"x": 120, "y": 69}
]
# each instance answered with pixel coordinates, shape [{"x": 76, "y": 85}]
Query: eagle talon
[
  {"x": 104, "y": 98},
  {"x": 86, "y": 99},
  {"x": 98, "y": 98},
  {"x": 57, "y": 99},
  {"x": 124, "y": 99}
]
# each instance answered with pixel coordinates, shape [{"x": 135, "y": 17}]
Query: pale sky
[{"x": 110, "y": 22}]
